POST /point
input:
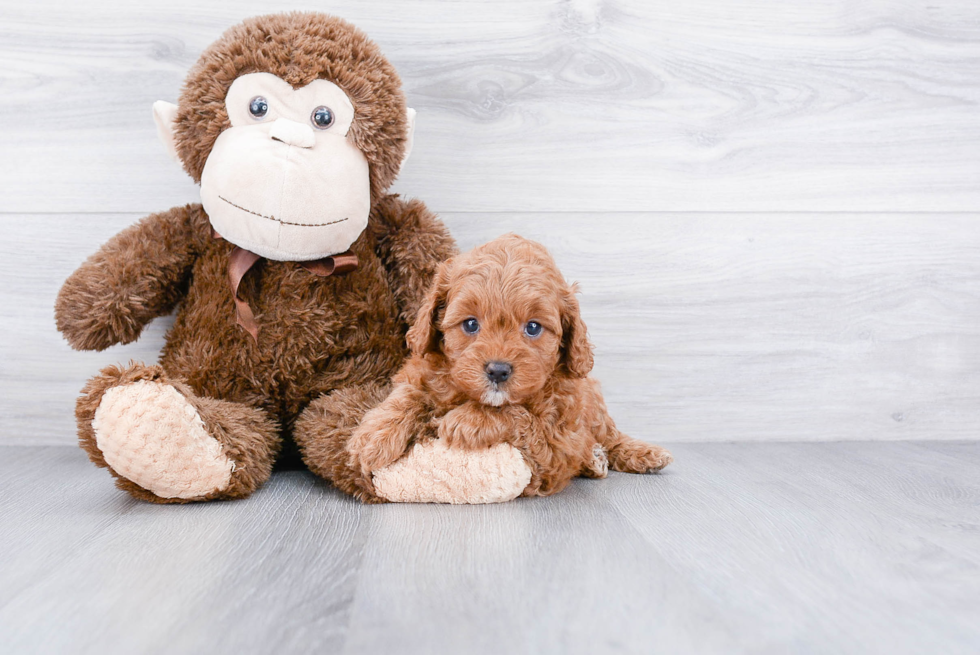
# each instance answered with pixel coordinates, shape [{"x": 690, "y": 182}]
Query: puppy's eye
[
  {"x": 533, "y": 329},
  {"x": 258, "y": 107},
  {"x": 471, "y": 326}
]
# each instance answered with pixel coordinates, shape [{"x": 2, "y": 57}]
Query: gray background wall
[{"x": 772, "y": 209}]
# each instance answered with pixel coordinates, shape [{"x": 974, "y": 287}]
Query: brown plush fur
[
  {"x": 247, "y": 435},
  {"x": 328, "y": 423},
  {"x": 298, "y": 47},
  {"x": 549, "y": 409},
  {"x": 318, "y": 334}
]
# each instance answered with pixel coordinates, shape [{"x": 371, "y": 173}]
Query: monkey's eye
[
  {"x": 258, "y": 107},
  {"x": 533, "y": 329},
  {"x": 471, "y": 326},
  {"x": 322, "y": 117}
]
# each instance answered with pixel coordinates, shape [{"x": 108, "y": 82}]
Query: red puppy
[{"x": 500, "y": 355}]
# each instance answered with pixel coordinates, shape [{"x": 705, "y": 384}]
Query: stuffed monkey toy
[{"x": 294, "y": 279}]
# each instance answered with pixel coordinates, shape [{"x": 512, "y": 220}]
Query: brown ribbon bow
[{"x": 240, "y": 261}]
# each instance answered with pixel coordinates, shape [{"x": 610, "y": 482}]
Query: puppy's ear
[
  {"x": 576, "y": 350},
  {"x": 424, "y": 336}
]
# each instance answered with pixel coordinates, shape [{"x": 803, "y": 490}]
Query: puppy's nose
[{"x": 498, "y": 371}]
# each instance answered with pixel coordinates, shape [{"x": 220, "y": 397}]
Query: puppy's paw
[
  {"x": 636, "y": 456},
  {"x": 472, "y": 426},
  {"x": 376, "y": 444},
  {"x": 454, "y": 427},
  {"x": 598, "y": 465}
]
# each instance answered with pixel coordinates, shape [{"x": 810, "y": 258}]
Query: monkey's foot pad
[
  {"x": 432, "y": 473},
  {"x": 149, "y": 433}
]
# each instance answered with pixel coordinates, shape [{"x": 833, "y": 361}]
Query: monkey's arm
[
  {"x": 139, "y": 274},
  {"x": 412, "y": 242}
]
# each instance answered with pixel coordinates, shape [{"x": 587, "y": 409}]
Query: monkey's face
[
  {"x": 284, "y": 181},
  {"x": 295, "y": 124}
]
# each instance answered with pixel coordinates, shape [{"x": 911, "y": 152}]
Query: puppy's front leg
[
  {"x": 387, "y": 430},
  {"x": 473, "y": 425},
  {"x": 553, "y": 452}
]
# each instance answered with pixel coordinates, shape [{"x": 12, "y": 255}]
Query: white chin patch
[{"x": 494, "y": 397}]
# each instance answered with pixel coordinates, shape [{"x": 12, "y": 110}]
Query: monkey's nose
[
  {"x": 292, "y": 133},
  {"x": 498, "y": 372}
]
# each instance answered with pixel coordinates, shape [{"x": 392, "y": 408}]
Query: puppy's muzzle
[{"x": 498, "y": 372}]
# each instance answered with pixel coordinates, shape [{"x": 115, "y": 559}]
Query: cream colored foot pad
[
  {"x": 149, "y": 433},
  {"x": 432, "y": 473}
]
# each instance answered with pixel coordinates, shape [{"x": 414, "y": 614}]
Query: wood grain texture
[
  {"x": 708, "y": 328},
  {"x": 804, "y": 548},
  {"x": 543, "y": 105},
  {"x": 607, "y": 119}
]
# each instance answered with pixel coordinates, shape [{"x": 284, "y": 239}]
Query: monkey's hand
[{"x": 137, "y": 275}]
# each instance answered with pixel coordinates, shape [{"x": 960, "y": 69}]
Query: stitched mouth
[{"x": 279, "y": 220}]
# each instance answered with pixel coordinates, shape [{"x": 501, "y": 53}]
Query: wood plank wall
[{"x": 772, "y": 208}]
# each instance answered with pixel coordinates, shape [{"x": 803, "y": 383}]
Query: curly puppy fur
[
  {"x": 547, "y": 408},
  {"x": 319, "y": 335}
]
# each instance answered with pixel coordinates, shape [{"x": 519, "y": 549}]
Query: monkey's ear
[
  {"x": 424, "y": 336},
  {"x": 410, "y": 141},
  {"x": 164, "y": 114}
]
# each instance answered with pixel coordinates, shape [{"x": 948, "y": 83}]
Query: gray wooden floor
[{"x": 805, "y": 547}]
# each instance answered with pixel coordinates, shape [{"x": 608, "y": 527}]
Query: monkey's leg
[
  {"x": 164, "y": 444},
  {"x": 323, "y": 430},
  {"x": 469, "y": 461},
  {"x": 429, "y": 472}
]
